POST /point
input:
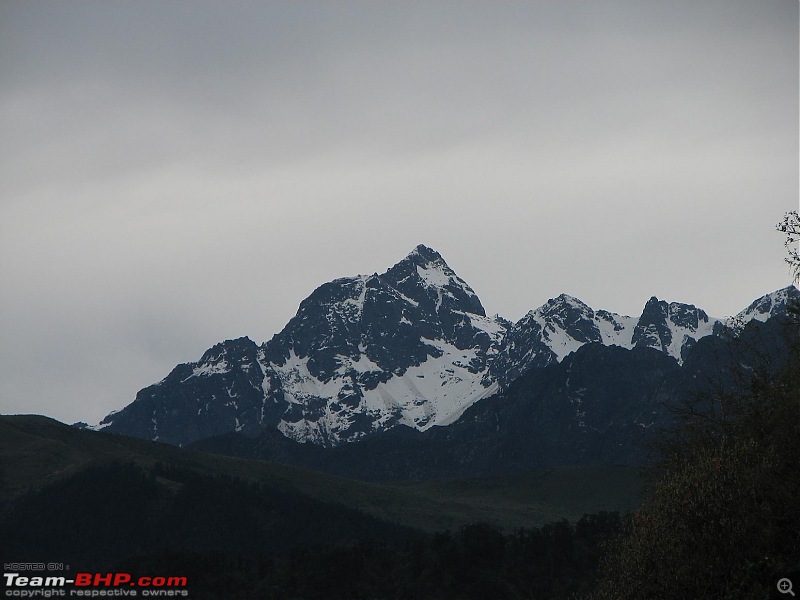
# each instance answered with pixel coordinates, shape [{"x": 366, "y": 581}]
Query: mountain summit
[{"x": 412, "y": 346}]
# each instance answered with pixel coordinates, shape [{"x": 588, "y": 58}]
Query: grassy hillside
[{"x": 36, "y": 452}]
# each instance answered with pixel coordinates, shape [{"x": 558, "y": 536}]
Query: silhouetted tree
[{"x": 790, "y": 226}]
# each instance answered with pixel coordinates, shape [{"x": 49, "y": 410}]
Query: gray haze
[{"x": 177, "y": 173}]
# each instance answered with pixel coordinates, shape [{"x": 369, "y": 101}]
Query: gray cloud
[{"x": 177, "y": 173}]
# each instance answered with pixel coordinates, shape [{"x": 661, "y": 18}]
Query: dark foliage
[
  {"x": 477, "y": 562},
  {"x": 723, "y": 519},
  {"x": 790, "y": 227},
  {"x": 107, "y": 513},
  {"x": 237, "y": 539}
]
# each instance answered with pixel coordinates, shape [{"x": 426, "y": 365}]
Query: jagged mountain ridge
[
  {"x": 362, "y": 354},
  {"x": 601, "y": 405},
  {"x": 412, "y": 347},
  {"x": 562, "y": 325}
]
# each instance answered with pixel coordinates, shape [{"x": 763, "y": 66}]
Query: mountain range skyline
[
  {"x": 613, "y": 328},
  {"x": 412, "y": 346}
]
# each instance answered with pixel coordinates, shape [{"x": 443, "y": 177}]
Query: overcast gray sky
[{"x": 176, "y": 173}]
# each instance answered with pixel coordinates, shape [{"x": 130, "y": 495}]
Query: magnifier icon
[{"x": 785, "y": 586}]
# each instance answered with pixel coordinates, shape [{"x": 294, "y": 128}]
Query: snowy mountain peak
[
  {"x": 570, "y": 300},
  {"x": 424, "y": 256},
  {"x": 557, "y": 328},
  {"x": 364, "y": 353},
  {"x": 424, "y": 276},
  {"x": 561, "y": 303},
  {"x": 671, "y": 327},
  {"x": 763, "y": 308}
]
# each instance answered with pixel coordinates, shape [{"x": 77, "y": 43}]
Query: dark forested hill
[{"x": 241, "y": 528}]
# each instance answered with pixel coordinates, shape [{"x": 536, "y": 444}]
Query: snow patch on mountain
[
  {"x": 436, "y": 392},
  {"x": 433, "y": 277},
  {"x": 210, "y": 368},
  {"x": 494, "y": 328},
  {"x": 556, "y": 338},
  {"x": 615, "y": 330}
]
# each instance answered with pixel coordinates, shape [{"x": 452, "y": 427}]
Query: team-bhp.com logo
[{"x": 94, "y": 584}]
